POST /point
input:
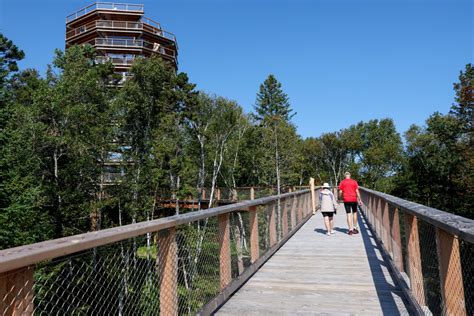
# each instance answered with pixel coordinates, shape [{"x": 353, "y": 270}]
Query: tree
[
  {"x": 438, "y": 167},
  {"x": 377, "y": 148},
  {"x": 9, "y": 55},
  {"x": 463, "y": 109},
  {"x": 272, "y": 101}
]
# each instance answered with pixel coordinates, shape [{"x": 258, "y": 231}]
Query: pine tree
[
  {"x": 272, "y": 101},
  {"x": 464, "y": 89}
]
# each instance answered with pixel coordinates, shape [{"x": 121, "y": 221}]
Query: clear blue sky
[{"x": 339, "y": 61}]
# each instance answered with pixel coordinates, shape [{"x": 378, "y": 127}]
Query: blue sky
[{"x": 340, "y": 61}]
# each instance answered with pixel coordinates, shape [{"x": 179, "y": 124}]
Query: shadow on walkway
[{"x": 385, "y": 290}]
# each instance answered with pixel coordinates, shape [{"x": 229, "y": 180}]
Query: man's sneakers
[{"x": 353, "y": 231}]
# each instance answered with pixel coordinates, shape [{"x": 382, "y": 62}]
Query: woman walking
[{"x": 328, "y": 207}]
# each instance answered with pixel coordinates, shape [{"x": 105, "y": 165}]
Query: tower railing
[
  {"x": 105, "y": 6},
  {"x": 431, "y": 252},
  {"x": 183, "y": 264},
  {"x": 143, "y": 25}
]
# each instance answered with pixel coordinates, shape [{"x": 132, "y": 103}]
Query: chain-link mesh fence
[
  {"x": 437, "y": 265},
  {"x": 175, "y": 270}
]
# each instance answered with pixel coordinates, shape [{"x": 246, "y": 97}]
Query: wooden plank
[
  {"x": 450, "y": 272},
  {"x": 225, "y": 270},
  {"x": 414, "y": 258},
  {"x": 254, "y": 244},
  {"x": 168, "y": 271},
  {"x": 313, "y": 195}
]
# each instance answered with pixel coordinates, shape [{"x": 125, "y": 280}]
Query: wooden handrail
[
  {"x": 27, "y": 255},
  {"x": 382, "y": 214},
  {"x": 457, "y": 225}
]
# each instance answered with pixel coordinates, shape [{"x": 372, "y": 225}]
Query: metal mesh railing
[
  {"x": 431, "y": 250},
  {"x": 176, "y": 265}
]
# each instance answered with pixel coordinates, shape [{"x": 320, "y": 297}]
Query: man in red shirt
[{"x": 349, "y": 189}]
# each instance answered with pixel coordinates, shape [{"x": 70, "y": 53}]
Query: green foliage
[
  {"x": 9, "y": 55},
  {"x": 439, "y": 161},
  {"x": 272, "y": 101}
]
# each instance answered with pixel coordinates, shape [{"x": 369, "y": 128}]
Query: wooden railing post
[
  {"x": 450, "y": 272},
  {"x": 272, "y": 228},
  {"x": 16, "y": 292},
  {"x": 414, "y": 258},
  {"x": 310, "y": 205},
  {"x": 379, "y": 216},
  {"x": 252, "y": 193},
  {"x": 254, "y": 244},
  {"x": 235, "y": 197},
  {"x": 203, "y": 194},
  {"x": 224, "y": 250},
  {"x": 284, "y": 219},
  {"x": 386, "y": 228},
  {"x": 313, "y": 195},
  {"x": 218, "y": 194},
  {"x": 168, "y": 266},
  {"x": 294, "y": 205},
  {"x": 301, "y": 203},
  {"x": 372, "y": 210},
  {"x": 397, "y": 241}
]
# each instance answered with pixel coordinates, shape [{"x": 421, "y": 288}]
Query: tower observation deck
[{"x": 120, "y": 33}]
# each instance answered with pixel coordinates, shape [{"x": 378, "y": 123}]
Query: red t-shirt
[{"x": 348, "y": 188}]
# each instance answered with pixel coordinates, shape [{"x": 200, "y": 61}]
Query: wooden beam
[
  {"x": 254, "y": 243},
  {"x": 294, "y": 202},
  {"x": 313, "y": 195},
  {"x": 168, "y": 268},
  {"x": 450, "y": 272},
  {"x": 397, "y": 241},
  {"x": 301, "y": 202},
  {"x": 16, "y": 292},
  {"x": 224, "y": 250},
  {"x": 284, "y": 215},
  {"x": 386, "y": 228},
  {"x": 272, "y": 228},
  {"x": 252, "y": 193},
  {"x": 414, "y": 258}
]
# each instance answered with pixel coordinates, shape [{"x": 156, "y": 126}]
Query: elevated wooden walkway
[{"x": 318, "y": 274}]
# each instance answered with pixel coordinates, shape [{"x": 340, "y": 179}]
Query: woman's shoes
[
  {"x": 332, "y": 232},
  {"x": 328, "y": 233}
]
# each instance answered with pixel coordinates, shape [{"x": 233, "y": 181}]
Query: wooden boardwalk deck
[{"x": 315, "y": 274}]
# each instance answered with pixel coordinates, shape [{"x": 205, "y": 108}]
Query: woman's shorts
[{"x": 328, "y": 214}]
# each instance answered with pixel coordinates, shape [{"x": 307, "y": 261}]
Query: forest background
[{"x": 60, "y": 132}]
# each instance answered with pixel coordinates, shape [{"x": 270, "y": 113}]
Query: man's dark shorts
[{"x": 350, "y": 205}]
